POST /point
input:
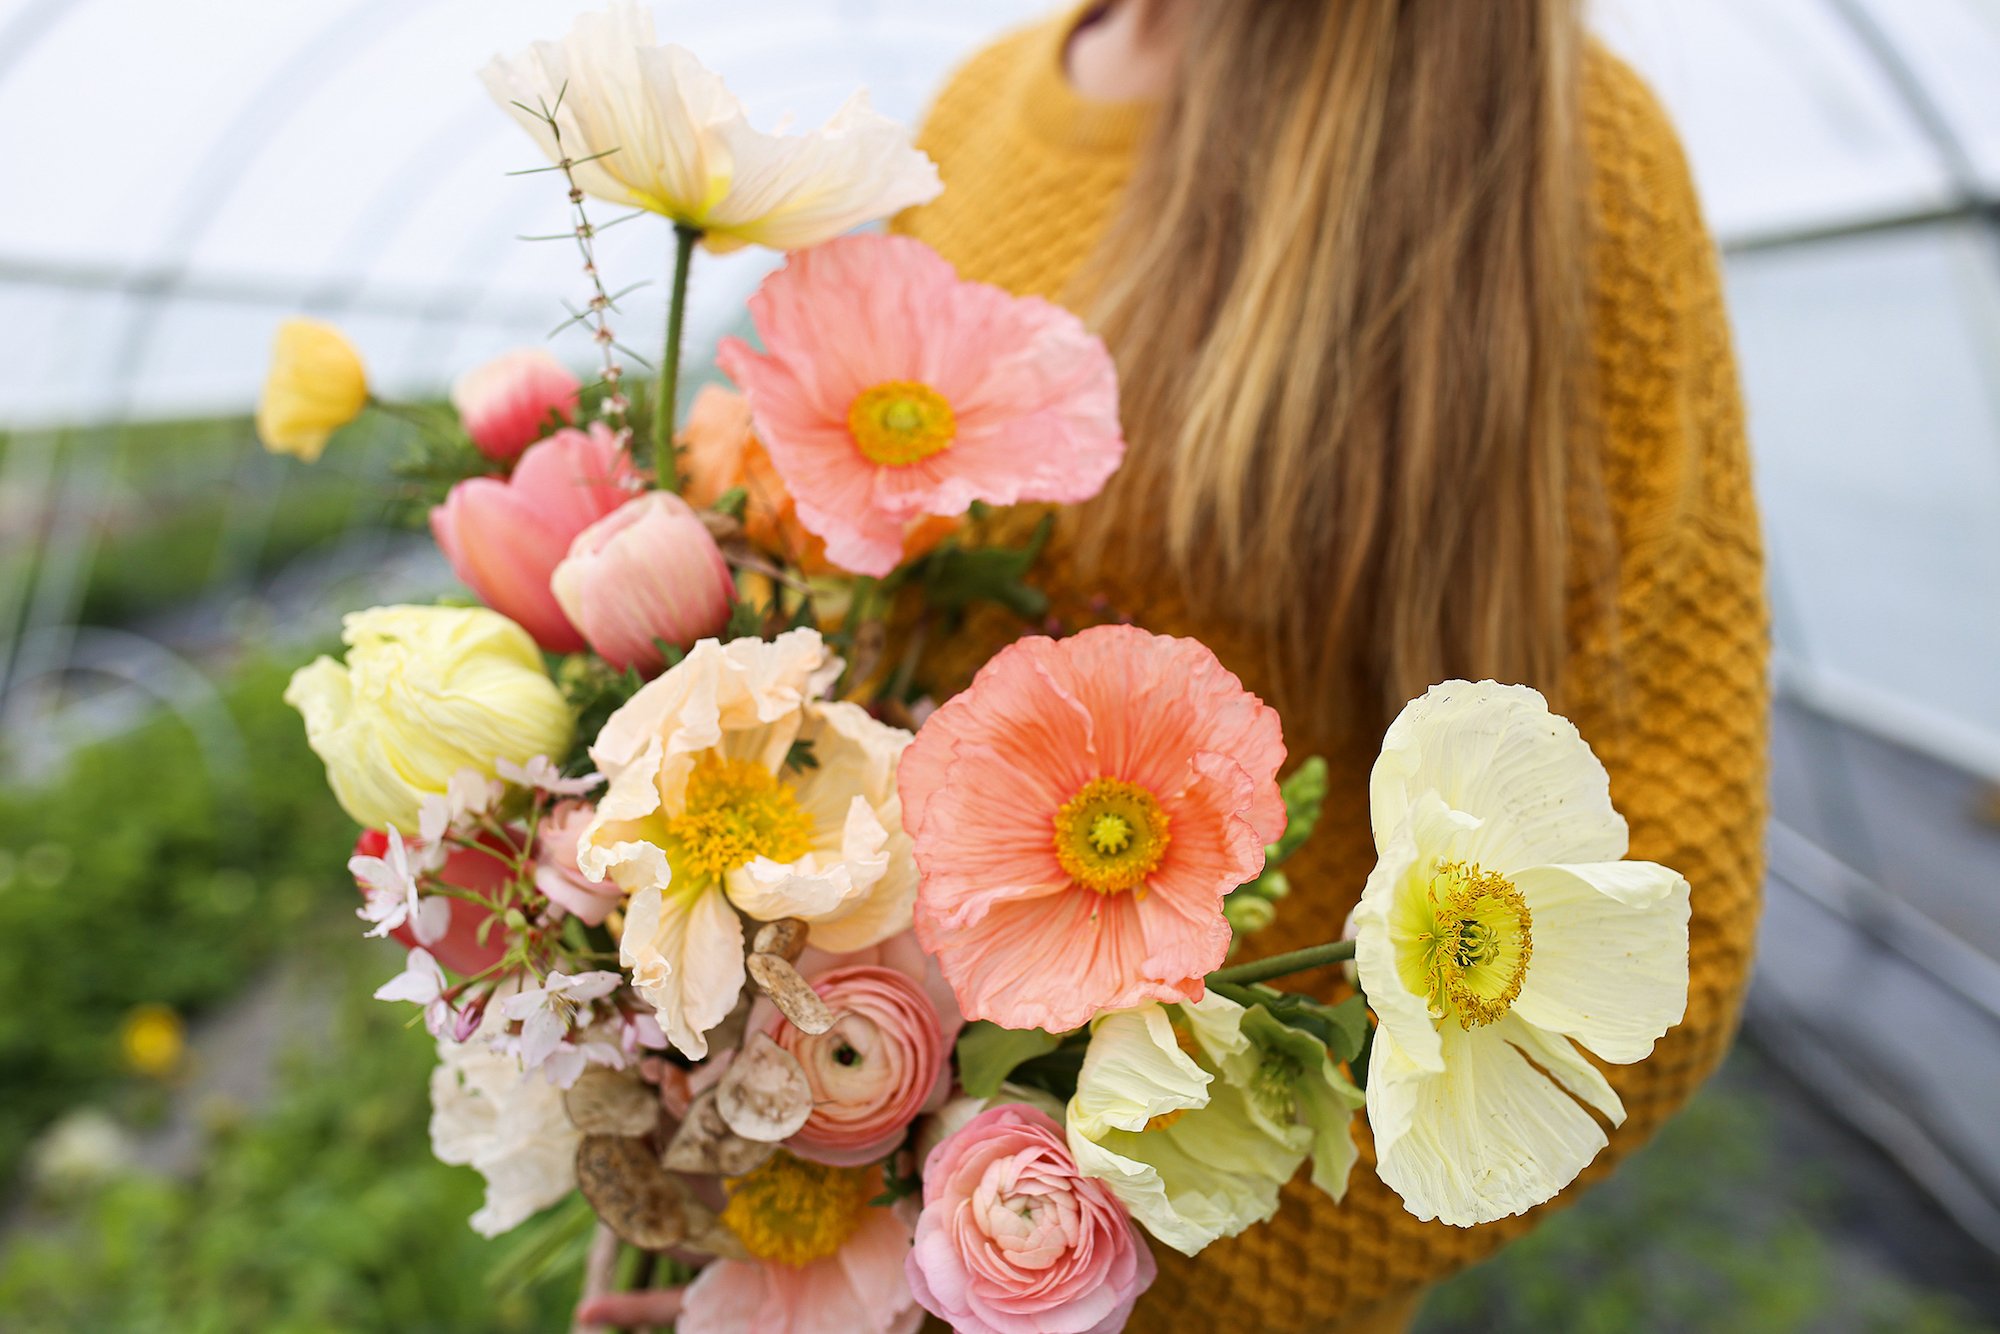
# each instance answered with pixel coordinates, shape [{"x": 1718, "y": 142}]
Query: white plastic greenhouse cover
[{"x": 182, "y": 175}]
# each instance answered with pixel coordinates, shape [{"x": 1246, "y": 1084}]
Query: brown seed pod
[
  {"x": 637, "y": 1198},
  {"x": 785, "y": 938},
  {"x": 706, "y": 1145},
  {"x": 605, "y": 1102},
  {"x": 764, "y": 1094},
  {"x": 792, "y": 994}
]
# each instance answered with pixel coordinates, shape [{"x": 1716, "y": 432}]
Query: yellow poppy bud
[
  {"x": 316, "y": 385},
  {"x": 425, "y": 692}
]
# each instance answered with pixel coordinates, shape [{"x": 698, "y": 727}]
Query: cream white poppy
[
  {"x": 1195, "y": 1116},
  {"x": 675, "y": 141},
  {"x": 513, "y": 1130},
  {"x": 732, "y": 785},
  {"x": 1500, "y": 922}
]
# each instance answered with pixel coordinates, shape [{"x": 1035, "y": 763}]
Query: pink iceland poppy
[
  {"x": 890, "y": 389},
  {"x": 1078, "y": 814}
]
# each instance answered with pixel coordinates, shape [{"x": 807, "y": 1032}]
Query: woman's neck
[{"x": 1127, "y": 50}]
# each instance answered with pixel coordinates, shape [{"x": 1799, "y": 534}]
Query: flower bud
[
  {"x": 506, "y": 404},
  {"x": 315, "y": 386},
  {"x": 504, "y": 537},
  {"x": 646, "y": 572}
]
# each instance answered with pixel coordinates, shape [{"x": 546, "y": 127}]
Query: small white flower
[
  {"x": 547, "y": 1014},
  {"x": 467, "y": 793},
  {"x": 422, "y": 983},
  {"x": 388, "y": 884},
  {"x": 541, "y": 773}
]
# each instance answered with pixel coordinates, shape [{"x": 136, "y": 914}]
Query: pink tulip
[
  {"x": 646, "y": 572},
  {"x": 556, "y": 872},
  {"x": 506, "y": 404},
  {"x": 1014, "y": 1239},
  {"x": 504, "y": 537}
]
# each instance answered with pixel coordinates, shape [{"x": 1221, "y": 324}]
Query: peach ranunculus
[
  {"x": 508, "y": 403},
  {"x": 1014, "y": 1239},
  {"x": 1079, "y": 813},
  {"x": 823, "y": 1259},
  {"x": 720, "y": 453},
  {"x": 645, "y": 574},
  {"x": 941, "y": 392},
  {"x": 887, "y": 1057},
  {"x": 557, "y": 875},
  {"x": 505, "y": 536},
  {"x": 736, "y": 790}
]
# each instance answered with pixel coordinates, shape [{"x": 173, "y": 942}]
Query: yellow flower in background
[
  {"x": 316, "y": 385},
  {"x": 662, "y": 133},
  {"x": 1501, "y": 926},
  {"x": 153, "y": 1040},
  {"x": 425, "y": 692}
]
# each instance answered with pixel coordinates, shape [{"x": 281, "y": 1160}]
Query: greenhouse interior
[{"x": 209, "y": 1125}]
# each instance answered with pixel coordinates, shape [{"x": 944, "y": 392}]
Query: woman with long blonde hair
[{"x": 1426, "y": 374}]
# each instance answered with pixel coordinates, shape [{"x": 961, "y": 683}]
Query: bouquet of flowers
[{"x": 836, "y": 1004}]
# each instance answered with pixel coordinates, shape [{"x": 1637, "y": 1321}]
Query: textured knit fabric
[{"x": 1670, "y": 692}]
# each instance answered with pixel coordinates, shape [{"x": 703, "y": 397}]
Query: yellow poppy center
[
  {"x": 736, "y": 811},
  {"x": 792, "y": 1212},
  {"x": 1111, "y": 835},
  {"x": 1476, "y": 945},
  {"x": 900, "y": 423}
]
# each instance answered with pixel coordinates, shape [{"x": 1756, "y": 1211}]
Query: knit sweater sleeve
[{"x": 1673, "y": 695}]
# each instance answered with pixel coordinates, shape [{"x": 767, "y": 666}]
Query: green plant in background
[
  {"x": 324, "y": 1212},
  {"x": 179, "y": 882}
]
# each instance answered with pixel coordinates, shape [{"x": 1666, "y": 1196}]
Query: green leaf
[
  {"x": 732, "y": 502},
  {"x": 988, "y": 1053},
  {"x": 801, "y": 756},
  {"x": 1343, "y": 1027},
  {"x": 746, "y": 621},
  {"x": 955, "y": 577},
  {"x": 1304, "y": 791}
]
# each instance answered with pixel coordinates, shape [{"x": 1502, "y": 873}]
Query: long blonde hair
[{"x": 1347, "y": 296}]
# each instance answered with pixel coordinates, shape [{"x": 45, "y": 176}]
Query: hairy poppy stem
[{"x": 1279, "y": 965}]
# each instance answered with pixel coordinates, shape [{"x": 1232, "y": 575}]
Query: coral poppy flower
[
  {"x": 890, "y": 389},
  {"x": 1078, "y": 814}
]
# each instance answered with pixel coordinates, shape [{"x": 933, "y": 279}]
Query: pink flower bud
[
  {"x": 506, "y": 404},
  {"x": 556, "y": 872},
  {"x": 648, "y": 571},
  {"x": 505, "y": 536}
]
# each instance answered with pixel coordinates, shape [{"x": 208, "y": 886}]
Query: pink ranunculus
[
  {"x": 647, "y": 572},
  {"x": 508, "y": 403},
  {"x": 505, "y": 537},
  {"x": 556, "y": 873},
  {"x": 1077, "y": 816},
  {"x": 880, "y": 1064},
  {"x": 1014, "y": 1239},
  {"x": 890, "y": 390}
]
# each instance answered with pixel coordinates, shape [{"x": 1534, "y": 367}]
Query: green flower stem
[
  {"x": 666, "y": 412},
  {"x": 1278, "y": 965}
]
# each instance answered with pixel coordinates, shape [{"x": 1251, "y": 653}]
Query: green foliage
[
  {"x": 192, "y": 502},
  {"x": 954, "y": 577},
  {"x": 1304, "y": 791},
  {"x": 988, "y": 1053},
  {"x": 1343, "y": 1028},
  {"x": 326, "y": 1212},
  {"x": 142, "y": 875}
]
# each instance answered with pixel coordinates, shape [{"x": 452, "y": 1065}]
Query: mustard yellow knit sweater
[{"x": 1673, "y": 697}]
